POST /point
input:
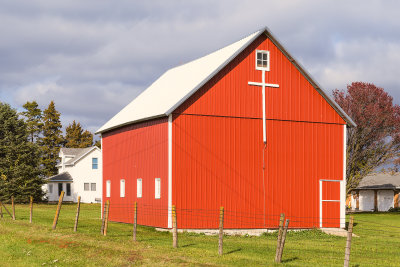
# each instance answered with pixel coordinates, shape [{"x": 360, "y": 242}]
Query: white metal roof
[{"x": 179, "y": 83}]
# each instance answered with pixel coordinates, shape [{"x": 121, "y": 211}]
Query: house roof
[
  {"x": 380, "y": 181},
  {"x": 72, "y": 151},
  {"x": 61, "y": 177},
  {"x": 177, "y": 84},
  {"x": 78, "y": 153}
]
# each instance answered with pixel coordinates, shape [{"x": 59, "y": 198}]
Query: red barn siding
[
  {"x": 132, "y": 152},
  {"x": 218, "y": 148},
  {"x": 218, "y": 161},
  {"x": 228, "y": 92}
]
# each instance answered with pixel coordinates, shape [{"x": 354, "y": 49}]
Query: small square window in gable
[{"x": 262, "y": 60}]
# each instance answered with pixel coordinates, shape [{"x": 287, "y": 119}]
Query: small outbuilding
[
  {"x": 245, "y": 127},
  {"x": 376, "y": 192}
]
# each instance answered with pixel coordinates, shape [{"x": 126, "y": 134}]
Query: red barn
[{"x": 246, "y": 128}]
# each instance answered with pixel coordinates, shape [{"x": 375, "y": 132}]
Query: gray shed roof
[
  {"x": 61, "y": 177},
  {"x": 380, "y": 181}
]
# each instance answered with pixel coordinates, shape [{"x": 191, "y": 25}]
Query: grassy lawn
[{"x": 36, "y": 244}]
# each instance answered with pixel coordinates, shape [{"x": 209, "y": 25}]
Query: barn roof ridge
[{"x": 205, "y": 68}]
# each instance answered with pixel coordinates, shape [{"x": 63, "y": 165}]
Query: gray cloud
[{"x": 93, "y": 57}]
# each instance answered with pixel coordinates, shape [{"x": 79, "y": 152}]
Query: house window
[
  {"x": 122, "y": 188},
  {"x": 51, "y": 188},
  {"x": 139, "y": 188},
  {"x": 60, "y": 188},
  {"x": 86, "y": 187},
  {"x": 262, "y": 60},
  {"x": 68, "y": 189},
  {"x": 157, "y": 191},
  {"x": 95, "y": 163},
  {"x": 108, "y": 188},
  {"x": 93, "y": 187}
]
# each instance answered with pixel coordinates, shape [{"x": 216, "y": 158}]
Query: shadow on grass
[
  {"x": 233, "y": 251},
  {"x": 188, "y": 245},
  {"x": 289, "y": 260},
  {"x": 347, "y": 226}
]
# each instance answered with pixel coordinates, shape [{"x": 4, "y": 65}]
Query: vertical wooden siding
[
  {"x": 218, "y": 148},
  {"x": 132, "y": 152}
]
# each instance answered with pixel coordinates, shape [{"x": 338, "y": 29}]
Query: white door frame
[{"x": 329, "y": 200}]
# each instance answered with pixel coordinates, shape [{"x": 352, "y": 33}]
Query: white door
[
  {"x": 367, "y": 200},
  {"x": 385, "y": 200}
]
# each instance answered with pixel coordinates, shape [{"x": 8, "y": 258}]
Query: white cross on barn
[{"x": 262, "y": 63}]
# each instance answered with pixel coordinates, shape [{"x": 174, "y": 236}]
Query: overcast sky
[{"x": 93, "y": 57}]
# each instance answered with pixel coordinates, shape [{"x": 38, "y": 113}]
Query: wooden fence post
[
  {"x": 78, "y": 208},
  {"x": 348, "y": 243},
  {"x": 60, "y": 200},
  {"x": 103, "y": 219},
  {"x": 1, "y": 210},
  {"x": 278, "y": 245},
  {"x": 106, "y": 220},
  {"x": 6, "y": 209},
  {"x": 13, "y": 208},
  {"x": 134, "y": 221},
  {"x": 221, "y": 231},
  {"x": 174, "y": 228},
  {"x": 281, "y": 247},
  {"x": 30, "y": 209}
]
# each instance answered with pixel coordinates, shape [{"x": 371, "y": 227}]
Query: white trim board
[{"x": 170, "y": 171}]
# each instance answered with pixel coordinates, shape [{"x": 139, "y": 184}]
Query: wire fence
[{"x": 371, "y": 241}]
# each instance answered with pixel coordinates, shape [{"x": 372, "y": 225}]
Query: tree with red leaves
[{"x": 376, "y": 139}]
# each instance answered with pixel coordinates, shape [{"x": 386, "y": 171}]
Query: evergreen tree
[
  {"x": 19, "y": 159},
  {"x": 52, "y": 139},
  {"x": 33, "y": 118},
  {"x": 98, "y": 143},
  {"x": 75, "y": 137}
]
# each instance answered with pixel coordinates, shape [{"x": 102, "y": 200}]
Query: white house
[
  {"x": 79, "y": 174},
  {"x": 377, "y": 192}
]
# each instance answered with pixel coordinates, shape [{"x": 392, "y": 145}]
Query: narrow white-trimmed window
[
  {"x": 157, "y": 188},
  {"x": 262, "y": 60},
  {"x": 139, "y": 188},
  {"x": 108, "y": 188},
  {"x": 122, "y": 188},
  {"x": 51, "y": 188}
]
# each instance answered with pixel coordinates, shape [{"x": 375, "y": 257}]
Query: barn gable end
[
  {"x": 296, "y": 98},
  {"x": 219, "y": 158}
]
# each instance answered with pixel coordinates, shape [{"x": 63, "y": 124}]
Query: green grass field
[{"x": 36, "y": 244}]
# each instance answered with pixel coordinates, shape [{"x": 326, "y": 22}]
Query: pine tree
[
  {"x": 19, "y": 159},
  {"x": 52, "y": 139},
  {"x": 75, "y": 137},
  {"x": 33, "y": 118},
  {"x": 98, "y": 143}
]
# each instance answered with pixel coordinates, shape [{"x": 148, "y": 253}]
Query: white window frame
[
  {"x": 51, "y": 188},
  {"x": 88, "y": 188},
  {"x": 108, "y": 188},
  {"x": 139, "y": 187},
  {"x": 122, "y": 188},
  {"x": 95, "y": 164},
  {"x": 157, "y": 188},
  {"x": 268, "y": 60},
  {"x": 91, "y": 187}
]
